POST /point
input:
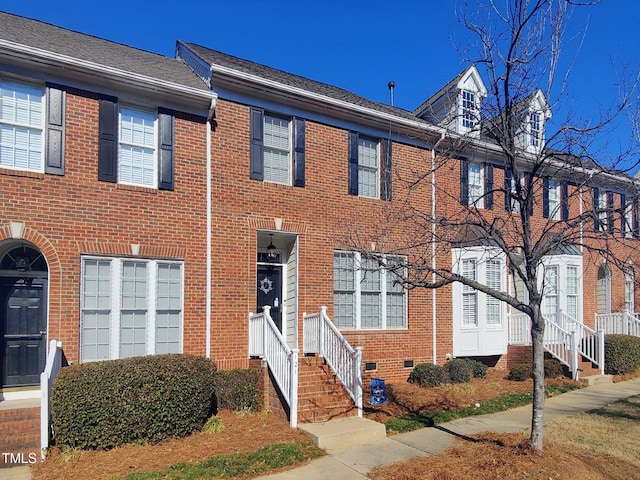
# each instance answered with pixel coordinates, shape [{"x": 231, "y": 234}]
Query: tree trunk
[{"x": 537, "y": 416}]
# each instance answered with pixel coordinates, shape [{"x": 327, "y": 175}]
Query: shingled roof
[
  {"x": 214, "y": 57},
  {"x": 50, "y": 38}
]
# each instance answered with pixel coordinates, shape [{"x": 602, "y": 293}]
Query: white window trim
[
  {"x": 479, "y": 202},
  {"x": 357, "y": 274},
  {"x": 366, "y": 167},
  {"x": 116, "y": 303},
  {"x": 473, "y": 111},
  {"x": 554, "y": 213},
  {"x": 289, "y": 121},
  {"x": 150, "y": 111},
  {"x": 562, "y": 262},
  {"x": 41, "y": 127},
  {"x": 481, "y": 255},
  {"x": 629, "y": 291}
]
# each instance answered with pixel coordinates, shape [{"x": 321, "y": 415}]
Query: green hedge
[
  {"x": 238, "y": 389},
  {"x": 102, "y": 405},
  {"x": 458, "y": 370},
  {"x": 428, "y": 375},
  {"x": 621, "y": 354}
]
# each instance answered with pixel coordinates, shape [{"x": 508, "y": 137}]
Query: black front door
[
  {"x": 270, "y": 291},
  {"x": 23, "y": 331}
]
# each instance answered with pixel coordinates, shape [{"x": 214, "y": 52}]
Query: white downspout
[
  {"x": 209, "y": 223},
  {"x": 433, "y": 246}
]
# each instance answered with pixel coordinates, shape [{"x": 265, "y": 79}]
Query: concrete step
[
  {"x": 345, "y": 432},
  {"x": 596, "y": 379}
]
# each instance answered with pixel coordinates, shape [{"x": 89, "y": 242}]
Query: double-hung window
[
  {"x": 365, "y": 295},
  {"x": 472, "y": 308},
  {"x": 277, "y": 148},
  {"x": 535, "y": 129},
  {"x": 369, "y": 166},
  {"x": 602, "y": 207},
  {"x": 469, "y": 294},
  {"x": 550, "y": 300},
  {"x": 627, "y": 216},
  {"x": 553, "y": 192},
  {"x": 21, "y": 126},
  {"x": 629, "y": 291},
  {"x": 573, "y": 291},
  {"x": 130, "y": 308},
  {"x": 476, "y": 184},
  {"x": 135, "y": 145},
  {"x": 469, "y": 110}
]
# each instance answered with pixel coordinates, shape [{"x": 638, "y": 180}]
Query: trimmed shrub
[
  {"x": 238, "y": 389},
  {"x": 478, "y": 369},
  {"x": 520, "y": 373},
  {"x": 458, "y": 370},
  {"x": 553, "y": 368},
  {"x": 102, "y": 405},
  {"x": 621, "y": 354},
  {"x": 427, "y": 375}
]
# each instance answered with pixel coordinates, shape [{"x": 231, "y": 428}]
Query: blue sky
[{"x": 358, "y": 45}]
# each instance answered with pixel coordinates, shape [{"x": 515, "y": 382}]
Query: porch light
[{"x": 272, "y": 255}]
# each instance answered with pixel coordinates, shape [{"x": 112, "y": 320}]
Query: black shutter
[
  {"x": 353, "y": 163},
  {"x": 636, "y": 221},
  {"x": 385, "y": 173},
  {"x": 108, "y": 140},
  {"x": 257, "y": 149},
  {"x": 508, "y": 178},
  {"x": 298, "y": 152},
  {"x": 596, "y": 202},
  {"x": 545, "y": 197},
  {"x": 530, "y": 193},
  {"x": 564, "y": 198},
  {"x": 54, "y": 133},
  {"x": 166, "y": 155},
  {"x": 623, "y": 211},
  {"x": 464, "y": 182},
  {"x": 610, "y": 217},
  {"x": 488, "y": 186}
]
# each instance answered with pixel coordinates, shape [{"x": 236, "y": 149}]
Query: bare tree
[{"x": 519, "y": 51}]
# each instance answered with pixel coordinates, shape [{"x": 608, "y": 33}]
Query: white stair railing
[
  {"x": 266, "y": 341},
  {"x": 322, "y": 337},
  {"x": 622, "y": 323},
  {"x": 51, "y": 369},
  {"x": 564, "y": 338}
]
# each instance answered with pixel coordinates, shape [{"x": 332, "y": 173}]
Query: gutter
[
  {"x": 208, "y": 267},
  {"x": 120, "y": 76},
  {"x": 433, "y": 247}
]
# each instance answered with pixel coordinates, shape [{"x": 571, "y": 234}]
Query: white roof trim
[{"x": 88, "y": 67}]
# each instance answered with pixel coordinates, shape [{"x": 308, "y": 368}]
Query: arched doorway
[{"x": 23, "y": 314}]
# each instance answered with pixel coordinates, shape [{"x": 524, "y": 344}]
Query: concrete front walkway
[{"x": 357, "y": 461}]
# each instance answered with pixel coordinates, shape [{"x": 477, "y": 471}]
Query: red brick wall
[{"x": 67, "y": 216}]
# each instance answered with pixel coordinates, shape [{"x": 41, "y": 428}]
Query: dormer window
[
  {"x": 469, "y": 110},
  {"x": 535, "y": 129}
]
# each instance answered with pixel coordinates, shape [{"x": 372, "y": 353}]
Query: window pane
[
  {"x": 137, "y": 149},
  {"x": 95, "y": 316},
  {"x": 133, "y": 334},
  {"x": 475, "y": 187},
  {"x": 370, "y": 310},
  {"x": 367, "y": 167},
  {"x": 277, "y": 145},
  {"x": 21, "y": 123},
  {"x": 343, "y": 290},
  {"x": 167, "y": 333}
]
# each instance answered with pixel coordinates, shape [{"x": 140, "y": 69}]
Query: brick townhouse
[{"x": 153, "y": 204}]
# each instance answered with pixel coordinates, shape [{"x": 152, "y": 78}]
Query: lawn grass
[
  {"x": 417, "y": 420},
  {"x": 238, "y": 465}
]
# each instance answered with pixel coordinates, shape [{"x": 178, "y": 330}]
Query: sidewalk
[{"x": 356, "y": 462}]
